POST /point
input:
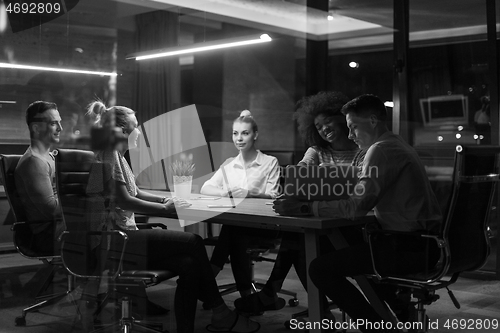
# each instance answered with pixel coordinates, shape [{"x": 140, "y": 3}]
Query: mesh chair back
[
  {"x": 8, "y": 167},
  {"x": 284, "y": 157},
  {"x": 474, "y": 188},
  {"x": 85, "y": 255},
  {"x": 23, "y": 235}
]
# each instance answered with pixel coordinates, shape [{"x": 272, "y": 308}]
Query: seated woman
[
  {"x": 250, "y": 174},
  {"x": 323, "y": 128},
  {"x": 181, "y": 252}
]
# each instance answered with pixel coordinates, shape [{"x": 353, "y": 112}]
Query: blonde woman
[
  {"x": 181, "y": 252},
  {"x": 250, "y": 174}
]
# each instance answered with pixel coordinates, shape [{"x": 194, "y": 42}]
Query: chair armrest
[
  {"x": 370, "y": 229},
  {"x": 389, "y": 240},
  {"x": 22, "y": 225},
  {"x": 114, "y": 233},
  {"x": 17, "y": 226},
  {"x": 142, "y": 226},
  {"x": 410, "y": 234},
  {"x": 89, "y": 257}
]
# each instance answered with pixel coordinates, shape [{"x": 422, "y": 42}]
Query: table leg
[{"x": 314, "y": 297}]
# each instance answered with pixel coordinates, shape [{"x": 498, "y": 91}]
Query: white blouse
[{"x": 260, "y": 178}]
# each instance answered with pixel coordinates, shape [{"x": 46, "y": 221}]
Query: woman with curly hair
[{"x": 324, "y": 129}]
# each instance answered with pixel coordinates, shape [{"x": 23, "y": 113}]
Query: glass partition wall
[
  {"x": 448, "y": 68},
  {"x": 451, "y": 86}
]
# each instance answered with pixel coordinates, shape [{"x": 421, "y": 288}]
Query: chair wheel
[
  {"x": 293, "y": 302},
  {"x": 20, "y": 321},
  {"x": 288, "y": 325}
]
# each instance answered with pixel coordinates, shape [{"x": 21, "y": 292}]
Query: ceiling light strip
[
  {"x": 214, "y": 45},
  {"x": 54, "y": 69}
]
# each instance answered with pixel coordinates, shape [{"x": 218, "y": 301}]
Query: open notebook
[{"x": 311, "y": 183}]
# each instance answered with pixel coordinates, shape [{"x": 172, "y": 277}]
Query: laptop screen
[{"x": 317, "y": 183}]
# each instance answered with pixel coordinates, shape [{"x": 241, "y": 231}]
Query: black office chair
[
  {"x": 284, "y": 157},
  {"x": 72, "y": 171},
  {"x": 462, "y": 240},
  {"x": 99, "y": 255},
  {"x": 23, "y": 235}
]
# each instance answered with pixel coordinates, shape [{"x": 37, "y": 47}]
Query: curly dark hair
[{"x": 308, "y": 108}]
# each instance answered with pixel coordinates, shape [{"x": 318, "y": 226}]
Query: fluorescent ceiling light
[
  {"x": 55, "y": 69},
  {"x": 214, "y": 45}
]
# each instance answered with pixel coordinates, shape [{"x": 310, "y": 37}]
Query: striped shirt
[{"x": 316, "y": 156}]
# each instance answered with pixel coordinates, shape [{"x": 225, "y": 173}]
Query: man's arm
[
  {"x": 364, "y": 195},
  {"x": 36, "y": 179},
  {"x": 355, "y": 206}
]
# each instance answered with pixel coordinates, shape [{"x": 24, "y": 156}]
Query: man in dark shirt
[{"x": 393, "y": 184}]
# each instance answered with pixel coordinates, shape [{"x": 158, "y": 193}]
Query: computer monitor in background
[{"x": 445, "y": 111}]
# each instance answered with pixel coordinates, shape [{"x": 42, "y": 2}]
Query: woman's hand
[
  {"x": 238, "y": 192},
  {"x": 162, "y": 200},
  {"x": 174, "y": 203}
]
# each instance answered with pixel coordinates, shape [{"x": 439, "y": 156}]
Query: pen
[{"x": 220, "y": 206}]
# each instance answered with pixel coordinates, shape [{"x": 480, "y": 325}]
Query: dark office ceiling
[
  {"x": 424, "y": 14},
  {"x": 428, "y": 18},
  {"x": 458, "y": 16}
]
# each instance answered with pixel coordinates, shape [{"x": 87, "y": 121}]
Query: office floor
[{"x": 479, "y": 299}]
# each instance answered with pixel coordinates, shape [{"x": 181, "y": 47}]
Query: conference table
[{"x": 258, "y": 213}]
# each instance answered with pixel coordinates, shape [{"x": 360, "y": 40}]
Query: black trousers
[
  {"x": 292, "y": 253},
  {"x": 183, "y": 253},
  {"x": 233, "y": 242},
  {"x": 329, "y": 273}
]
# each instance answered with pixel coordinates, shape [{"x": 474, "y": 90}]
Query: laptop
[{"x": 318, "y": 183}]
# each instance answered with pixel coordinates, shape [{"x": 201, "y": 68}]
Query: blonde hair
[
  {"x": 103, "y": 117},
  {"x": 246, "y": 117}
]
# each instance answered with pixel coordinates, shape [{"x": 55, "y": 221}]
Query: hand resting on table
[
  {"x": 288, "y": 206},
  {"x": 176, "y": 203}
]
